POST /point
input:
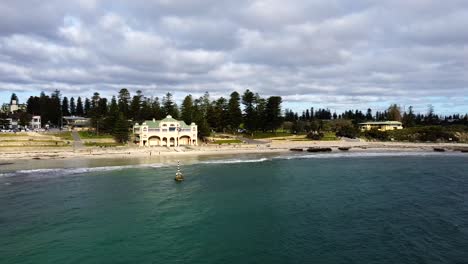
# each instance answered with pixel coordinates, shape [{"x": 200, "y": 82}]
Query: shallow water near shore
[{"x": 283, "y": 208}]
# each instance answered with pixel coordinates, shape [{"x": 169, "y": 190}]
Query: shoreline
[
  {"x": 94, "y": 157},
  {"x": 9, "y": 155}
]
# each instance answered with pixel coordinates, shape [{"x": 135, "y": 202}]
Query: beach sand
[{"x": 58, "y": 153}]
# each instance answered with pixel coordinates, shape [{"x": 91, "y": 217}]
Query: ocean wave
[
  {"x": 232, "y": 161},
  {"x": 74, "y": 171},
  {"x": 363, "y": 155}
]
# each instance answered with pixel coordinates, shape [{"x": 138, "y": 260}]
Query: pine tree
[
  {"x": 120, "y": 132},
  {"x": 248, "y": 100},
  {"x": 186, "y": 110},
  {"x": 234, "y": 112},
  {"x": 79, "y": 107},
  {"x": 169, "y": 106},
  {"x": 135, "y": 106},
  {"x": 72, "y": 106},
  {"x": 65, "y": 107},
  {"x": 124, "y": 100},
  {"x": 14, "y": 97},
  {"x": 369, "y": 114},
  {"x": 87, "y": 108},
  {"x": 273, "y": 113}
]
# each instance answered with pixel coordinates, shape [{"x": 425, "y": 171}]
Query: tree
[
  {"x": 120, "y": 131},
  {"x": 123, "y": 101},
  {"x": 111, "y": 117},
  {"x": 409, "y": 118},
  {"x": 79, "y": 107},
  {"x": 260, "y": 113},
  {"x": 55, "y": 109},
  {"x": 65, "y": 107},
  {"x": 186, "y": 110},
  {"x": 135, "y": 106},
  {"x": 218, "y": 114},
  {"x": 273, "y": 113},
  {"x": 33, "y": 105},
  {"x": 369, "y": 114},
  {"x": 234, "y": 112},
  {"x": 394, "y": 113},
  {"x": 146, "y": 112},
  {"x": 87, "y": 107},
  {"x": 24, "y": 119},
  {"x": 156, "y": 109},
  {"x": 169, "y": 106},
  {"x": 14, "y": 97},
  {"x": 248, "y": 100},
  {"x": 72, "y": 106}
]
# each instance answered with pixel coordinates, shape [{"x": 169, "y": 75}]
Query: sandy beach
[{"x": 50, "y": 153}]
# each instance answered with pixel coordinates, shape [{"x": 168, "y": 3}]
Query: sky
[{"x": 335, "y": 54}]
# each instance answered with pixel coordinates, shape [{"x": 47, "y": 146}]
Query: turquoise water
[{"x": 373, "y": 208}]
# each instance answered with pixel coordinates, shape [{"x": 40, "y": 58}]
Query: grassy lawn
[
  {"x": 13, "y": 134},
  {"x": 227, "y": 141},
  {"x": 258, "y": 135},
  {"x": 91, "y": 135},
  {"x": 329, "y": 136},
  {"x": 63, "y": 135},
  {"x": 102, "y": 144}
]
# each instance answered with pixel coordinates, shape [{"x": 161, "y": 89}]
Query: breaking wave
[{"x": 73, "y": 171}]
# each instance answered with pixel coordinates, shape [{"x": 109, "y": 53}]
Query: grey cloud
[{"x": 336, "y": 53}]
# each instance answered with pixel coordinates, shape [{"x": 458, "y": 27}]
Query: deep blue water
[{"x": 368, "y": 209}]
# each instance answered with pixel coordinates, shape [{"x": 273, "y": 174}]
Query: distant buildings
[
  {"x": 14, "y": 122},
  {"x": 382, "y": 125},
  {"x": 167, "y": 132},
  {"x": 13, "y": 107},
  {"x": 79, "y": 122}
]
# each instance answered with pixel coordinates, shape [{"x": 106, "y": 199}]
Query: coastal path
[{"x": 77, "y": 143}]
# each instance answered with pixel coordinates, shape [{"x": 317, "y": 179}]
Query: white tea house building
[{"x": 167, "y": 132}]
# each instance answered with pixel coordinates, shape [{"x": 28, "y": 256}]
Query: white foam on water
[
  {"x": 364, "y": 155},
  {"x": 232, "y": 161},
  {"x": 73, "y": 171}
]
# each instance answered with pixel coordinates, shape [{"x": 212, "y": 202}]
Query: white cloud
[{"x": 336, "y": 53}]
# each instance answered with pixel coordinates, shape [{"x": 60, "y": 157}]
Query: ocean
[{"x": 297, "y": 208}]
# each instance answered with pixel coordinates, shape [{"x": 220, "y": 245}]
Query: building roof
[
  {"x": 152, "y": 124},
  {"x": 156, "y": 123},
  {"x": 382, "y": 123},
  {"x": 75, "y": 118}
]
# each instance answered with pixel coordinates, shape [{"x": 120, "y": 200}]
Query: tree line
[
  {"x": 247, "y": 112},
  {"x": 219, "y": 114}
]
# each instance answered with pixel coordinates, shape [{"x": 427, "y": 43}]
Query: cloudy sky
[{"x": 338, "y": 54}]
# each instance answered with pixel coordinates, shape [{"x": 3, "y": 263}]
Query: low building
[
  {"x": 381, "y": 125},
  {"x": 13, "y": 107},
  {"x": 76, "y": 122},
  {"x": 167, "y": 132},
  {"x": 35, "y": 122}
]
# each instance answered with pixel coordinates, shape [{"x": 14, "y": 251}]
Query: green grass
[
  {"x": 258, "y": 135},
  {"x": 102, "y": 144},
  {"x": 91, "y": 135},
  {"x": 35, "y": 146},
  {"x": 329, "y": 136},
  {"x": 34, "y": 140},
  {"x": 63, "y": 135},
  {"x": 13, "y": 134},
  {"x": 228, "y": 141}
]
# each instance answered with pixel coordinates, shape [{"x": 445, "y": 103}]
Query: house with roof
[
  {"x": 166, "y": 132},
  {"x": 13, "y": 107},
  {"x": 381, "y": 125}
]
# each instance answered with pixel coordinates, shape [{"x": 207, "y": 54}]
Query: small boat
[
  {"x": 344, "y": 148},
  {"x": 178, "y": 176},
  {"x": 439, "y": 150},
  {"x": 319, "y": 149}
]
